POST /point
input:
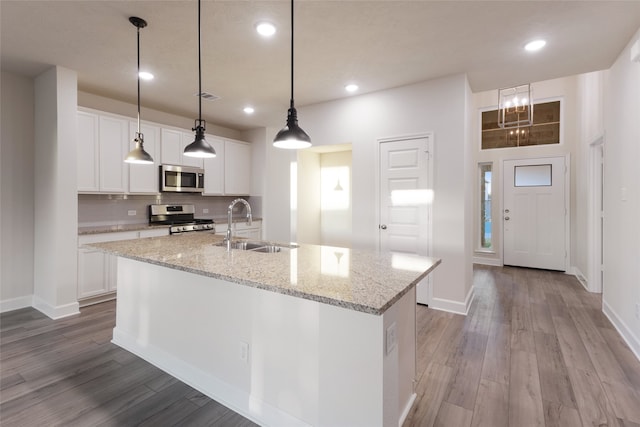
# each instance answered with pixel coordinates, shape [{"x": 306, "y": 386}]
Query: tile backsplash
[{"x": 106, "y": 210}]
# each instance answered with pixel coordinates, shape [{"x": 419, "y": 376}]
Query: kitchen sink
[{"x": 256, "y": 246}]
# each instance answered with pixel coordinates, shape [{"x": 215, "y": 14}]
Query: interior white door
[
  {"x": 534, "y": 213},
  {"x": 405, "y": 200}
]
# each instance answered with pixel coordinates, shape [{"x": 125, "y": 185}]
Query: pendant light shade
[
  {"x": 292, "y": 136},
  {"x": 138, "y": 154},
  {"x": 199, "y": 147}
]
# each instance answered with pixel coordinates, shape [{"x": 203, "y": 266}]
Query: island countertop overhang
[{"x": 366, "y": 281}]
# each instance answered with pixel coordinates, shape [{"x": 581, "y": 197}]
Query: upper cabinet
[
  {"x": 173, "y": 143},
  {"x": 214, "y": 169},
  {"x": 237, "y": 168},
  {"x": 104, "y": 140},
  {"x": 143, "y": 179},
  {"x": 102, "y": 147}
]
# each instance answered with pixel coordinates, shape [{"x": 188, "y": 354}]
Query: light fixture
[
  {"x": 351, "y": 87},
  {"x": 145, "y": 75},
  {"x": 534, "y": 45},
  {"x": 338, "y": 187},
  {"x": 265, "y": 29},
  {"x": 199, "y": 147},
  {"x": 138, "y": 155},
  {"x": 515, "y": 106},
  {"x": 292, "y": 136},
  {"x": 248, "y": 109}
]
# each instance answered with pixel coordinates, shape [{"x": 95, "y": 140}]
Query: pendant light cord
[
  {"x": 291, "y": 102},
  {"x": 199, "y": 72},
  {"x": 138, "y": 81}
]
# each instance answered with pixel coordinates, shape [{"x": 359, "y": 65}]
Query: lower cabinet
[{"x": 98, "y": 271}]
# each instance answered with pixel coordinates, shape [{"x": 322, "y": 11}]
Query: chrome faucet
[{"x": 230, "y": 219}]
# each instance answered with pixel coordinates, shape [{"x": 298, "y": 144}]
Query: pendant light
[
  {"x": 292, "y": 136},
  {"x": 138, "y": 155},
  {"x": 199, "y": 147}
]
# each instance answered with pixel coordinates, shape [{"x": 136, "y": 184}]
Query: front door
[
  {"x": 405, "y": 200},
  {"x": 534, "y": 213}
]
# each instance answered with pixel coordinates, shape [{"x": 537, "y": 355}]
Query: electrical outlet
[
  {"x": 205, "y": 211},
  {"x": 244, "y": 351},
  {"x": 391, "y": 338},
  {"x": 132, "y": 213}
]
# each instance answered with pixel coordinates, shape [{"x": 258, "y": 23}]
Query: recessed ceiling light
[
  {"x": 248, "y": 110},
  {"x": 535, "y": 45},
  {"x": 265, "y": 29},
  {"x": 351, "y": 87},
  {"x": 145, "y": 75}
]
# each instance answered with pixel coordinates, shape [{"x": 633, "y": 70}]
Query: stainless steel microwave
[{"x": 181, "y": 179}]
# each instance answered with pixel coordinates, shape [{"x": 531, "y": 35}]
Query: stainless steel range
[{"x": 180, "y": 218}]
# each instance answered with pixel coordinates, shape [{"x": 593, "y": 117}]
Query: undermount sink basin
[{"x": 253, "y": 246}]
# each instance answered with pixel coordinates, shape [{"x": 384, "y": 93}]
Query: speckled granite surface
[{"x": 365, "y": 281}]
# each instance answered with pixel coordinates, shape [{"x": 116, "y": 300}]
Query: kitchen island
[{"x": 307, "y": 336}]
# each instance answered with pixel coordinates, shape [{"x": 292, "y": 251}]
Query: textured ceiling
[{"x": 377, "y": 44}]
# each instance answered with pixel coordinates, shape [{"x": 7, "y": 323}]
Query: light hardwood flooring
[{"x": 535, "y": 350}]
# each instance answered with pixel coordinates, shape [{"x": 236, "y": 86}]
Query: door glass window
[
  {"x": 532, "y": 176},
  {"x": 485, "y": 205}
]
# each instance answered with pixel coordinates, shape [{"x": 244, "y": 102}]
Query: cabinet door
[
  {"x": 196, "y": 162},
  {"x": 114, "y": 146},
  {"x": 92, "y": 273},
  {"x": 237, "y": 168},
  {"x": 144, "y": 178},
  {"x": 87, "y": 149},
  {"x": 214, "y": 169},
  {"x": 171, "y": 147}
]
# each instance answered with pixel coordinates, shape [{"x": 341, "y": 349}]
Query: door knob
[
  {"x": 383, "y": 227},
  {"x": 506, "y": 211},
  {"x": 506, "y": 218}
]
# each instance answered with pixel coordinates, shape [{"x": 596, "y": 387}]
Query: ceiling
[{"x": 376, "y": 44}]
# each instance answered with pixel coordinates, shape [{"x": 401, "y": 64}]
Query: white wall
[
  {"x": 56, "y": 199},
  {"x": 336, "y": 224},
  {"x": 308, "y": 206},
  {"x": 621, "y": 289},
  {"x": 566, "y": 90},
  {"x": 16, "y": 191},
  {"x": 438, "y": 106}
]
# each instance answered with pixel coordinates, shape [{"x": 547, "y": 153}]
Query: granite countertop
[
  {"x": 365, "y": 281},
  {"x": 99, "y": 229}
]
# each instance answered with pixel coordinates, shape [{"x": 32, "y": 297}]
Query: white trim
[
  {"x": 594, "y": 211},
  {"x": 496, "y": 262},
  {"x": 57, "y": 312},
  {"x": 451, "y": 306},
  {"x": 16, "y": 303},
  {"x": 407, "y": 409},
  {"x": 581, "y": 278},
  {"x": 625, "y": 331},
  {"x": 236, "y": 399}
]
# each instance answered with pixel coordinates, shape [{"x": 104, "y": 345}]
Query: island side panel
[{"x": 307, "y": 363}]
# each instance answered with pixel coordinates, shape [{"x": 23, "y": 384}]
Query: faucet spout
[{"x": 229, "y": 235}]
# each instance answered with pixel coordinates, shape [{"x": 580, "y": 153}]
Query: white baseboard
[
  {"x": 581, "y": 277},
  {"x": 627, "y": 334},
  {"x": 57, "y": 312},
  {"x": 451, "y": 306},
  {"x": 234, "y": 398},
  {"x": 16, "y": 303},
  {"x": 487, "y": 261}
]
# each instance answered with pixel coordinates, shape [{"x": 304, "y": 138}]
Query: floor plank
[{"x": 525, "y": 397}]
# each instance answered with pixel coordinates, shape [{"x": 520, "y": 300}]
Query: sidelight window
[{"x": 485, "y": 206}]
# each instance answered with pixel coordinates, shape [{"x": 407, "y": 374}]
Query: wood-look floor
[{"x": 535, "y": 350}]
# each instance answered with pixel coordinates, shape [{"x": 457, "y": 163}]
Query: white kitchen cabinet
[
  {"x": 98, "y": 271},
  {"x": 87, "y": 152},
  {"x": 113, "y": 148},
  {"x": 214, "y": 169},
  {"x": 237, "y": 168},
  {"x": 173, "y": 143},
  {"x": 143, "y": 179}
]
